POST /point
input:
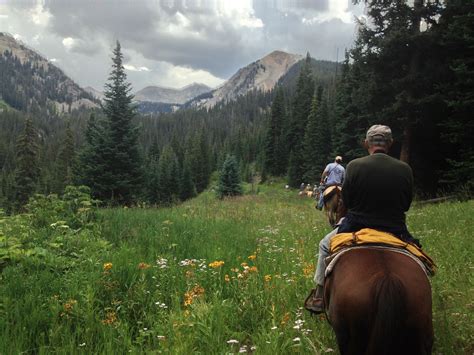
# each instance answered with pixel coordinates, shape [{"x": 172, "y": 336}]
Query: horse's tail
[{"x": 390, "y": 301}]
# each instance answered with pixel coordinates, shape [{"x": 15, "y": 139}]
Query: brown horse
[
  {"x": 333, "y": 206},
  {"x": 379, "y": 302}
]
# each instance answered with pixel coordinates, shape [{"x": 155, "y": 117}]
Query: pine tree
[
  {"x": 65, "y": 160},
  {"x": 350, "y": 126},
  {"x": 229, "y": 179},
  {"x": 200, "y": 161},
  {"x": 168, "y": 176},
  {"x": 91, "y": 166},
  {"x": 456, "y": 30},
  {"x": 27, "y": 170},
  {"x": 301, "y": 109},
  {"x": 317, "y": 140},
  {"x": 275, "y": 163},
  {"x": 121, "y": 175},
  {"x": 187, "y": 189}
]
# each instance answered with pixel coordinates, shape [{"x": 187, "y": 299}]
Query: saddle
[
  {"x": 368, "y": 237},
  {"x": 330, "y": 191}
]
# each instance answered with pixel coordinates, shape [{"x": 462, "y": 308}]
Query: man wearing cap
[
  {"x": 377, "y": 191},
  {"x": 332, "y": 175}
]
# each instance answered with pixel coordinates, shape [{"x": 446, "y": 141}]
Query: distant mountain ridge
[
  {"x": 262, "y": 75},
  {"x": 170, "y": 95},
  {"x": 30, "y": 80}
]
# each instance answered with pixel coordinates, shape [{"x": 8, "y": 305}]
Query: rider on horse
[
  {"x": 332, "y": 175},
  {"x": 377, "y": 191}
]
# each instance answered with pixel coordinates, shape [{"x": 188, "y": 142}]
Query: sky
[{"x": 174, "y": 43}]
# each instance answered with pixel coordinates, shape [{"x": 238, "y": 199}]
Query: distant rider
[{"x": 332, "y": 175}]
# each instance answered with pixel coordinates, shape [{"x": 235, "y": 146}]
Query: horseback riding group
[{"x": 372, "y": 276}]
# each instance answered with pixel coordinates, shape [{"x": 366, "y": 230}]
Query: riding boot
[{"x": 314, "y": 302}]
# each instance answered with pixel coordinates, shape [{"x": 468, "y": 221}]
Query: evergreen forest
[{"x": 411, "y": 67}]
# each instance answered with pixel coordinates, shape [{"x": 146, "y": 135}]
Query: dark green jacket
[{"x": 379, "y": 189}]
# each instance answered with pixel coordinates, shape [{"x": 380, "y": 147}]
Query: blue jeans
[{"x": 323, "y": 254}]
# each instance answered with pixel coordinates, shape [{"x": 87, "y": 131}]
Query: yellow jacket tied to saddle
[{"x": 369, "y": 236}]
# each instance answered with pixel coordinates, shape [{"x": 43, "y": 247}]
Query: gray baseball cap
[{"x": 379, "y": 134}]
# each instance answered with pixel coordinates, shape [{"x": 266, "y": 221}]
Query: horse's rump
[{"x": 379, "y": 302}]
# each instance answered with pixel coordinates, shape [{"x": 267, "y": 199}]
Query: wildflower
[
  {"x": 143, "y": 266},
  {"x": 308, "y": 270},
  {"x": 285, "y": 318},
  {"x": 189, "y": 274},
  {"x": 253, "y": 269},
  {"x": 216, "y": 264},
  {"x": 190, "y": 295},
  {"x": 227, "y": 278},
  {"x": 110, "y": 318},
  {"x": 69, "y": 305},
  {"x": 232, "y": 341},
  {"x": 161, "y": 337},
  {"x": 234, "y": 269},
  {"x": 244, "y": 265},
  {"x": 267, "y": 278},
  {"x": 296, "y": 339},
  {"x": 107, "y": 266},
  {"x": 252, "y": 257},
  {"x": 83, "y": 344}
]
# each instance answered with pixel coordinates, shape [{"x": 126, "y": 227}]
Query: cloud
[
  {"x": 189, "y": 40},
  {"x": 134, "y": 68}
]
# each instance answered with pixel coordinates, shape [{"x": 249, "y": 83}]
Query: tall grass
[{"x": 215, "y": 277}]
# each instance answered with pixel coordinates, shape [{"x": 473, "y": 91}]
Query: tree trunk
[{"x": 406, "y": 144}]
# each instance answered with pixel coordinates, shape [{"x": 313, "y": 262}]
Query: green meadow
[{"x": 208, "y": 276}]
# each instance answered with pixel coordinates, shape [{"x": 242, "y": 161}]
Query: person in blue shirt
[{"x": 332, "y": 175}]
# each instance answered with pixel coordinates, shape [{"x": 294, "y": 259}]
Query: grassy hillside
[{"x": 208, "y": 277}]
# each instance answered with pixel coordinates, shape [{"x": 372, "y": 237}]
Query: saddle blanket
[
  {"x": 332, "y": 259},
  {"x": 368, "y": 236},
  {"x": 329, "y": 192}
]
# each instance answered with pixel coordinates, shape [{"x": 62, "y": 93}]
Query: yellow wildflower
[
  {"x": 190, "y": 295},
  {"x": 252, "y": 257},
  {"x": 253, "y": 269},
  {"x": 308, "y": 269},
  {"x": 216, "y": 264},
  {"x": 69, "y": 305},
  {"x": 267, "y": 278},
  {"x": 107, "y": 266},
  {"x": 227, "y": 278},
  {"x": 244, "y": 264},
  {"x": 285, "y": 318},
  {"x": 143, "y": 266},
  {"x": 110, "y": 318}
]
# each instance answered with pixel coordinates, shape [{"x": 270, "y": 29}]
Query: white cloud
[
  {"x": 39, "y": 15},
  {"x": 134, "y": 68},
  {"x": 68, "y": 43}
]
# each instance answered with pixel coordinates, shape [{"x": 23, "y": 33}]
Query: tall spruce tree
[
  {"x": 91, "y": 166},
  {"x": 317, "y": 140},
  {"x": 456, "y": 30},
  {"x": 350, "y": 125},
  {"x": 275, "y": 163},
  {"x": 27, "y": 170},
  {"x": 187, "y": 189},
  {"x": 168, "y": 176},
  {"x": 122, "y": 174},
  {"x": 65, "y": 161},
  {"x": 229, "y": 183},
  {"x": 301, "y": 109}
]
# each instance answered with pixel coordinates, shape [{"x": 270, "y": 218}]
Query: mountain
[
  {"x": 99, "y": 95},
  {"x": 261, "y": 75},
  {"x": 31, "y": 82},
  {"x": 169, "y": 95}
]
